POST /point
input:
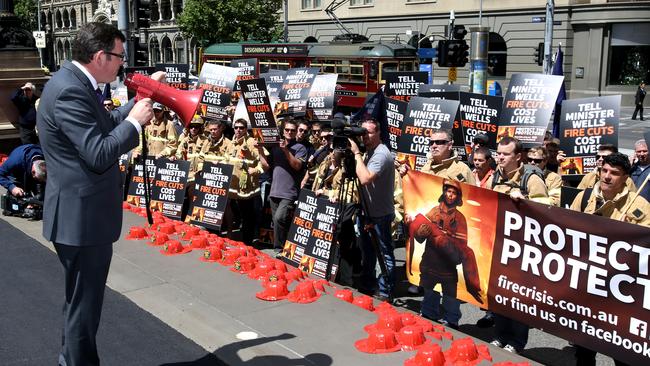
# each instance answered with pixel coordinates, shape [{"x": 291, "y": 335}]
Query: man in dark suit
[{"x": 82, "y": 143}]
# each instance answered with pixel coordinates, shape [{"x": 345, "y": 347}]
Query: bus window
[
  {"x": 356, "y": 73},
  {"x": 221, "y": 62},
  {"x": 268, "y": 64},
  {"x": 386, "y": 67},
  {"x": 406, "y": 66}
]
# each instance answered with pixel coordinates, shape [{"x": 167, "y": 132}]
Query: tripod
[{"x": 350, "y": 187}]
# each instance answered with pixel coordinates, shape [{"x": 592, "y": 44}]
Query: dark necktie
[{"x": 100, "y": 97}]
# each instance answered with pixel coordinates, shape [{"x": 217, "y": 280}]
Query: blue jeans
[
  {"x": 432, "y": 307},
  {"x": 382, "y": 231}
]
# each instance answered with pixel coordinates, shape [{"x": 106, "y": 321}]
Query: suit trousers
[{"x": 86, "y": 270}]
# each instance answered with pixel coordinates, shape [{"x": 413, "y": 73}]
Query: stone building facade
[{"x": 62, "y": 18}]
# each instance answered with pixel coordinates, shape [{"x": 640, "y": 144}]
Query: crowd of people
[{"x": 365, "y": 178}]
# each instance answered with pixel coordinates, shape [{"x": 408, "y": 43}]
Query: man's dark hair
[
  {"x": 241, "y": 121},
  {"x": 511, "y": 140},
  {"x": 92, "y": 38},
  {"x": 608, "y": 147},
  {"x": 446, "y": 131},
  {"x": 482, "y": 150},
  {"x": 618, "y": 160}
]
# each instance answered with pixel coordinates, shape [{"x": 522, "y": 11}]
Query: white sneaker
[
  {"x": 496, "y": 343},
  {"x": 510, "y": 349}
]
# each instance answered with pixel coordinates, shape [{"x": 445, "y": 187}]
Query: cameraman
[
  {"x": 376, "y": 176},
  {"x": 23, "y": 171}
]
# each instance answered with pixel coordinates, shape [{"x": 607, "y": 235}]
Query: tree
[
  {"x": 26, "y": 10},
  {"x": 231, "y": 20}
]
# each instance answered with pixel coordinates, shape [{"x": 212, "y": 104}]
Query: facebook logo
[{"x": 638, "y": 327}]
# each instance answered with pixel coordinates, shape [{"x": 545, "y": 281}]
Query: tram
[{"x": 360, "y": 66}]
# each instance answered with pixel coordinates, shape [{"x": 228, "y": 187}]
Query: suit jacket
[
  {"x": 17, "y": 169},
  {"x": 82, "y": 143}
]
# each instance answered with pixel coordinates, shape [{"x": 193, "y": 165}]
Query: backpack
[{"x": 523, "y": 185}]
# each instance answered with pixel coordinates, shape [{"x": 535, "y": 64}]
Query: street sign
[
  {"x": 427, "y": 53},
  {"x": 39, "y": 36},
  {"x": 452, "y": 74}
]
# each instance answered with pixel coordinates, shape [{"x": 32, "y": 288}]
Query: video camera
[
  {"x": 342, "y": 132},
  {"x": 25, "y": 207}
]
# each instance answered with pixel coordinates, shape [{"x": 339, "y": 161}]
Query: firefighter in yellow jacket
[
  {"x": 190, "y": 144},
  {"x": 244, "y": 193}
]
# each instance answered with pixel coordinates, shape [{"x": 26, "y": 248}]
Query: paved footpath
[{"x": 181, "y": 311}]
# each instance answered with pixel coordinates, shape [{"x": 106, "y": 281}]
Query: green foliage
[
  {"x": 26, "y": 11},
  {"x": 231, "y": 20}
]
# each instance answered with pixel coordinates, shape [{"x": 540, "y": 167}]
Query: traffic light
[
  {"x": 459, "y": 32},
  {"x": 460, "y": 56},
  {"x": 442, "y": 53},
  {"x": 453, "y": 53},
  {"x": 539, "y": 54},
  {"x": 140, "y": 53},
  {"x": 142, "y": 13}
]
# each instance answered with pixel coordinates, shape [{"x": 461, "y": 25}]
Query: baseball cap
[{"x": 158, "y": 106}]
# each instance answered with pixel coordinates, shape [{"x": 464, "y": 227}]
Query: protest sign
[
  {"x": 395, "y": 113},
  {"x": 247, "y": 70},
  {"x": 320, "y": 106},
  {"x": 295, "y": 91},
  {"x": 274, "y": 80},
  {"x": 586, "y": 124},
  {"x": 123, "y": 163},
  {"x": 311, "y": 235},
  {"x": 423, "y": 117},
  {"x": 435, "y": 92},
  {"x": 479, "y": 114},
  {"x": 425, "y": 89},
  {"x": 211, "y": 195},
  {"x": 218, "y": 82},
  {"x": 403, "y": 85},
  {"x": 168, "y": 189},
  {"x": 259, "y": 110},
  {"x": 528, "y": 106},
  {"x": 176, "y": 75},
  {"x": 578, "y": 276},
  {"x": 135, "y": 195}
]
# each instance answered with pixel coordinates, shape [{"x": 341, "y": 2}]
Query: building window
[
  {"x": 310, "y": 4},
  {"x": 361, "y": 2},
  {"x": 629, "y": 54}
]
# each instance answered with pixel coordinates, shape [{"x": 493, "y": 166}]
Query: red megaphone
[{"x": 183, "y": 102}]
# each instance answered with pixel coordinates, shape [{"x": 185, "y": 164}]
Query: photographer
[
  {"x": 286, "y": 162},
  {"x": 25, "y": 101},
  {"x": 23, "y": 171},
  {"x": 376, "y": 176}
]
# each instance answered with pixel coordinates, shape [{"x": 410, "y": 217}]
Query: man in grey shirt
[{"x": 376, "y": 175}]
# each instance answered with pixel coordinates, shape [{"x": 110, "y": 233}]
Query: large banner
[
  {"x": 168, "y": 189},
  {"x": 423, "y": 117},
  {"x": 260, "y": 114},
  {"x": 211, "y": 195},
  {"x": 135, "y": 194},
  {"x": 311, "y": 237},
  {"x": 176, "y": 75},
  {"x": 403, "y": 85},
  {"x": 586, "y": 124},
  {"x": 528, "y": 106},
  {"x": 218, "y": 82},
  {"x": 581, "y": 277}
]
